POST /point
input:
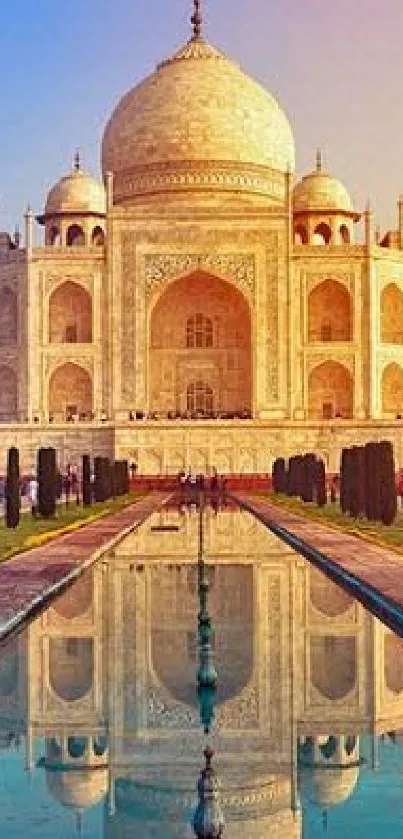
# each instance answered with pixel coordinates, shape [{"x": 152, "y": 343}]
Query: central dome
[{"x": 198, "y": 122}]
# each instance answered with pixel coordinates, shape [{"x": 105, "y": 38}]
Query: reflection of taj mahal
[
  {"x": 199, "y": 287},
  {"x": 304, "y": 673}
]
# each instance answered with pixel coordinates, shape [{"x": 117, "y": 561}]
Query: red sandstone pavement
[
  {"x": 379, "y": 567},
  {"x": 29, "y": 580}
]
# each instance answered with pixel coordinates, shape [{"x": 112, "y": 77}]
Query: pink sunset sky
[{"x": 336, "y": 68}]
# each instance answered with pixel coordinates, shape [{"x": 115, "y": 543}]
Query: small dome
[
  {"x": 76, "y": 192},
  {"x": 197, "y": 121},
  {"x": 78, "y": 789},
  {"x": 328, "y": 786},
  {"x": 320, "y": 192}
]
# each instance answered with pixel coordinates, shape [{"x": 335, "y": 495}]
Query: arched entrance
[
  {"x": 330, "y": 391},
  {"x": 70, "y": 393},
  {"x": 70, "y": 315},
  {"x": 8, "y": 394},
  {"x": 200, "y": 349},
  {"x": 391, "y": 315},
  {"x": 392, "y": 390},
  {"x": 329, "y": 312}
]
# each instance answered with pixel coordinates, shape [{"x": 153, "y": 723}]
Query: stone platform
[
  {"x": 30, "y": 580},
  {"x": 373, "y": 574}
]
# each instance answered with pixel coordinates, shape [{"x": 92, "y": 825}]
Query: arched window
[
  {"x": 392, "y": 315},
  {"x": 300, "y": 235},
  {"x": 75, "y": 236},
  {"x": 199, "y": 331},
  {"x": 329, "y": 312},
  {"x": 199, "y": 398},
  {"x": 322, "y": 234},
  {"x": 98, "y": 236},
  {"x": 70, "y": 315},
  {"x": 344, "y": 234},
  {"x": 54, "y": 236}
]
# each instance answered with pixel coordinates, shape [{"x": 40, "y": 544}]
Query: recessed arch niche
[{"x": 200, "y": 331}]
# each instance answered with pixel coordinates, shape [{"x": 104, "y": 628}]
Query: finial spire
[
  {"x": 77, "y": 161},
  {"x": 319, "y": 160},
  {"x": 196, "y": 21}
]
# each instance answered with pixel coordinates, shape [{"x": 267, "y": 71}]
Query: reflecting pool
[{"x": 102, "y": 722}]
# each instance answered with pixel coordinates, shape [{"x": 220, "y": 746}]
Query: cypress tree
[
  {"x": 353, "y": 493},
  {"x": 86, "y": 480},
  {"x": 47, "y": 482},
  {"x": 320, "y": 483},
  {"x": 343, "y": 496},
  {"x": 126, "y": 484},
  {"x": 13, "y": 497},
  {"x": 274, "y": 476},
  {"x": 369, "y": 471},
  {"x": 98, "y": 485},
  {"x": 387, "y": 483},
  {"x": 360, "y": 480}
]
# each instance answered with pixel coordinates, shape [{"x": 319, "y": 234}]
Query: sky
[{"x": 335, "y": 67}]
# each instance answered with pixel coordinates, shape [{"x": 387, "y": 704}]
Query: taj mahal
[{"x": 200, "y": 306}]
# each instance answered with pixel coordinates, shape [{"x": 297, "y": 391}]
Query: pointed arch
[
  {"x": 200, "y": 331},
  {"x": 329, "y": 312},
  {"x": 333, "y": 665},
  {"x": 392, "y": 315},
  {"x": 330, "y": 391},
  {"x": 392, "y": 389},
  {"x": 70, "y": 314},
  {"x": 8, "y": 394},
  {"x": 71, "y": 666},
  {"x": 322, "y": 234},
  {"x": 301, "y": 234},
  {"x": 8, "y": 317},
  {"x": 70, "y": 392},
  {"x": 75, "y": 236}
]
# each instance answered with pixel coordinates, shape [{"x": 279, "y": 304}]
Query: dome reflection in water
[{"x": 100, "y": 694}]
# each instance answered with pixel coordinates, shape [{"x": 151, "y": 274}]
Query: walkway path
[
  {"x": 373, "y": 574},
  {"x": 31, "y": 579}
]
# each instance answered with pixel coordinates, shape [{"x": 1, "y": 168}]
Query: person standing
[{"x": 33, "y": 495}]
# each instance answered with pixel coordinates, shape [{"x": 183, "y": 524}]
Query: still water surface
[{"x": 100, "y": 732}]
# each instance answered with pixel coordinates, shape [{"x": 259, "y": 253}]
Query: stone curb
[
  {"x": 12, "y": 625},
  {"x": 389, "y": 611}
]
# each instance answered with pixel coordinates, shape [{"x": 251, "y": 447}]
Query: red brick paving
[
  {"x": 379, "y": 567},
  {"x": 28, "y": 580}
]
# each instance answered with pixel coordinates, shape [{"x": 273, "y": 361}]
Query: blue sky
[{"x": 335, "y": 67}]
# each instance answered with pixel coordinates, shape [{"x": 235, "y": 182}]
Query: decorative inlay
[
  {"x": 239, "y": 268},
  {"x": 272, "y": 339},
  {"x": 57, "y": 279},
  {"x": 158, "y": 179},
  {"x": 127, "y": 345}
]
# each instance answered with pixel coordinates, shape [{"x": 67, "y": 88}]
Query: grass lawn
[
  {"x": 390, "y": 536},
  {"x": 33, "y": 532}
]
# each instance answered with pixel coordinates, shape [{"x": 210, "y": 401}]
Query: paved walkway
[
  {"x": 29, "y": 580},
  {"x": 373, "y": 574}
]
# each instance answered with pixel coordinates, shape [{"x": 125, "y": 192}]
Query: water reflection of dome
[
  {"x": 327, "y": 788},
  {"x": 78, "y": 789},
  {"x": 76, "y": 770},
  {"x": 254, "y": 804},
  {"x": 329, "y": 769}
]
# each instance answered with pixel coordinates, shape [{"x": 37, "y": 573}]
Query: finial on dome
[
  {"x": 77, "y": 161},
  {"x": 196, "y": 21},
  {"x": 319, "y": 160}
]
